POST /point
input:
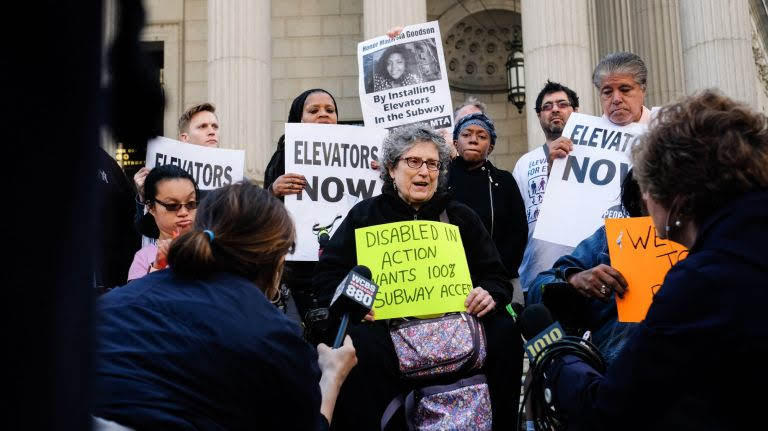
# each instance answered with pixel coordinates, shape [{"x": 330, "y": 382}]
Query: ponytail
[
  {"x": 191, "y": 255},
  {"x": 240, "y": 229}
]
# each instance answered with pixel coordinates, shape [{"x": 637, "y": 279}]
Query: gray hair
[
  {"x": 400, "y": 140},
  {"x": 620, "y": 63},
  {"x": 471, "y": 101}
]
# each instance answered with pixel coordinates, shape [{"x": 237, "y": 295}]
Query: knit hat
[{"x": 477, "y": 119}]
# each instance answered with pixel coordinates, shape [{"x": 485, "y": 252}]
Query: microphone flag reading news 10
[
  {"x": 420, "y": 267},
  {"x": 643, "y": 259},
  {"x": 539, "y": 330}
]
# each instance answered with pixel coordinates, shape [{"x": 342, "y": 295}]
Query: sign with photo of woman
[{"x": 403, "y": 80}]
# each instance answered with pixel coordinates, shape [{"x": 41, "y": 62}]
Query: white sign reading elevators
[
  {"x": 210, "y": 167},
  {"x": 336, "y": 162},
  {"x": 404, "y": 80},
  {"x": 585, "y": 187}
]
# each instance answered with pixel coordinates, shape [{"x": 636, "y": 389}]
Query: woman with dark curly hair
[
  {"x": 703, "y": 172},
  {"x": 392, "y": 69}
]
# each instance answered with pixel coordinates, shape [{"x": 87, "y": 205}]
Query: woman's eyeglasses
[
  {"x": 416, "y": 162},
  {"x": 176, "y": 206}
]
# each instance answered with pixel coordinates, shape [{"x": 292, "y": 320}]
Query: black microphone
[
  {"x": 538, "y": 329},
  {"x": 353, "y": 299}
]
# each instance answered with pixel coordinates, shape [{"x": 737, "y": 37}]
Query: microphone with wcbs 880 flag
[{"x": 353, "y": 299}]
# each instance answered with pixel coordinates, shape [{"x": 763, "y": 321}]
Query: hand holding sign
[
  {"x": 288, "y": 184},
  {"x": 643, "y": 258},
  {"x": 479, "y": 302},
  {"x": 558, "y": 149},
  {"x": 598, "y": 282},
  {"x": 139, "y": 178}
]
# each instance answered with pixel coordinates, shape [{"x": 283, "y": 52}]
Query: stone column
[
  {"x": 717, "y": 47},
  {"x": 656, "y": 39},
  {"x": 239, "y": 77},
  {"x": 381, "y": 15},
  {"x": 614, "y": 26},
  {"x": 556, "y": 44}
]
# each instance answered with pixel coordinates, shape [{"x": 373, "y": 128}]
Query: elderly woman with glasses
[{"x": 414, "y": 168}]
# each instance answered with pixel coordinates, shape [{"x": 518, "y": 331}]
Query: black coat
[
  {"x": 698, "y": 359},
  {"x": 339, "y": 256},
  {"x": 212, "y": 354},
  {"x": 499, "y": 206},
  {"x": 376, "y": 379},
  {"x": 118, "y": 240}
]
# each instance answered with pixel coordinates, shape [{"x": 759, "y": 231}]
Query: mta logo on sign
[{"x": 440, "y": 122}]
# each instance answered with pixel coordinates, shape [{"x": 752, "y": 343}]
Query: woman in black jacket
[
  {"x": 312, "y": 106},
  {"x": 490, "y": 191},
  {"x": 201, "y": 346},
  {"x": 702, "y": 172},
  {"x": 413, "y": 169}
]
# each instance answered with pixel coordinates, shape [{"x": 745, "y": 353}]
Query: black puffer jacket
[
  {"x": 339, "y": 257},
  {"x": 493, "y": 194}
]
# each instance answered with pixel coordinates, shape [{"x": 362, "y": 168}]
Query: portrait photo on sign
[{"x": 401, "y": 65}]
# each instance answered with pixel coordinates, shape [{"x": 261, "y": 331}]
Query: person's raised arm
[
  {"x": 557, "y": 149},
  {"x": 335, "y": 365}
]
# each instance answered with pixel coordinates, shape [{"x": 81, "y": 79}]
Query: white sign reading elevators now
[
  {"x": 585, "y": 187},
  {"x": 404, "y": 80},
  {"x": 336, "y": 162}
]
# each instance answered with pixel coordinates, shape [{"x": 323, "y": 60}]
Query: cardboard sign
[
  {"x": 643, "y": 259},
  {"x": 336, "y": 161},
  {"x": 585, "y": 187},
  {"x": 420, "y": 267},
  {"x": 404, "y": 80},
  {"x": 210, "y": 167}
]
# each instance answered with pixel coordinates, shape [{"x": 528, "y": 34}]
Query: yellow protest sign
[
  {"x": 643, "y": 259},
  {"x": 420, "y": 267}
]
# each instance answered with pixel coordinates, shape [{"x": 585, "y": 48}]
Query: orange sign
[{"x": 643, "y": 259}]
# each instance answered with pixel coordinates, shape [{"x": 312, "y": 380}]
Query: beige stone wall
[
  {"x": 314, "y": 44},
  {"x": 511, "y": 141},
  {"x": 195, "y": 52},
  {"x": 182, "y": 26},
  {"x": 761, "y": 69}
]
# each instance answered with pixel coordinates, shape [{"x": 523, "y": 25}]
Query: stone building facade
[{"x": 252, "y": 57}]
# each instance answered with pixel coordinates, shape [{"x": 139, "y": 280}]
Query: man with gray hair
[
  {"x": 470, "y": 106},
  {"x": 620, "y": 78}
]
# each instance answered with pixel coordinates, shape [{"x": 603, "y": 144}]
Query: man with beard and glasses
[{"x": 554, "y": 105}]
